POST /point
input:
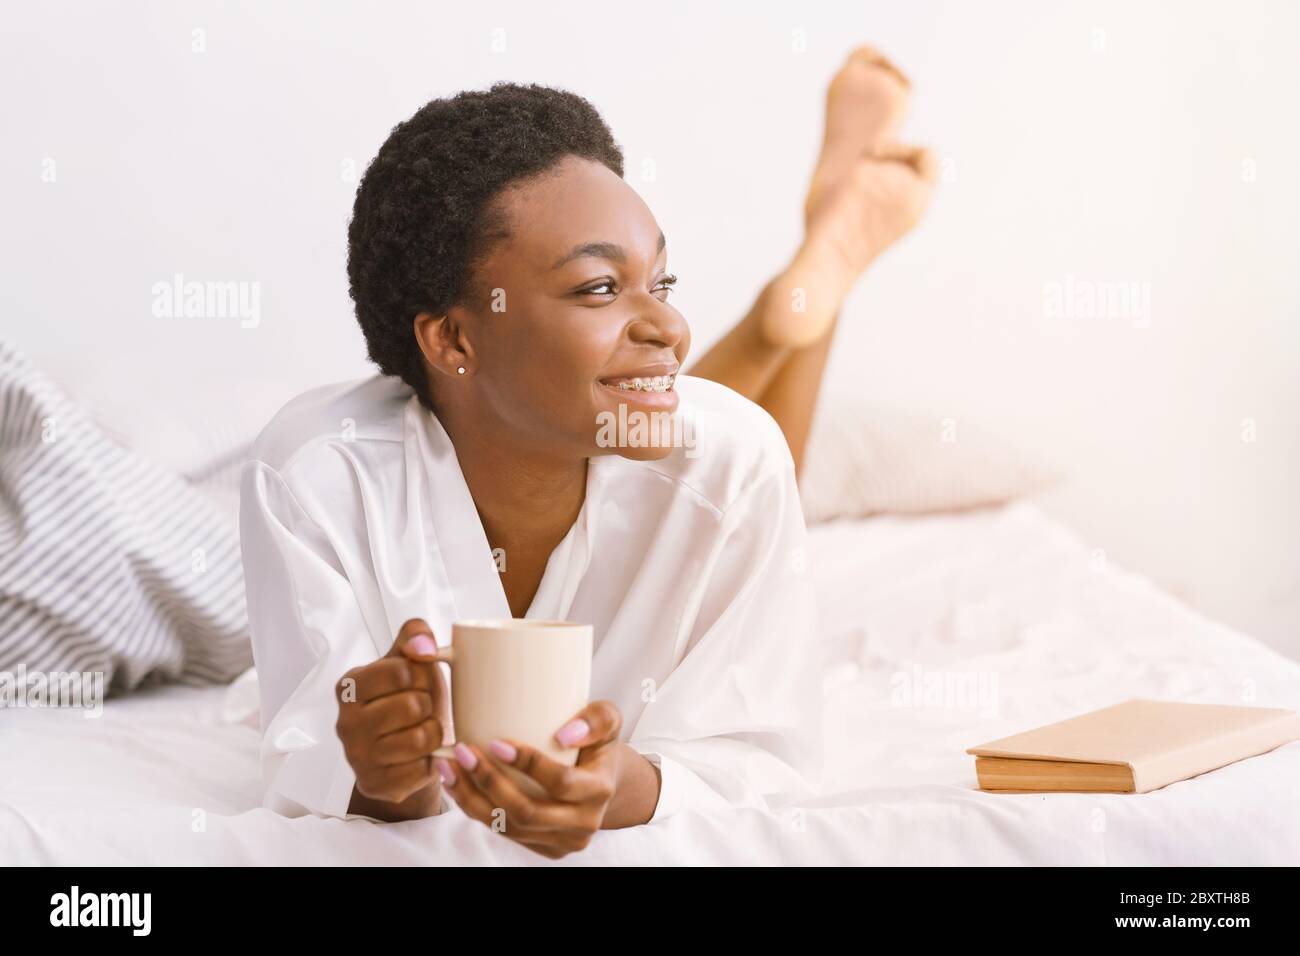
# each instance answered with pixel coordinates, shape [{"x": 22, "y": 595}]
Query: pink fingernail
[
  {"x": 444, "y": 770},
  {"x": 503, "y": 750},
  {"x": 465, "y": 757},
  {"x": 572, "y": 732},
  {"x": 422, "y": 645}
]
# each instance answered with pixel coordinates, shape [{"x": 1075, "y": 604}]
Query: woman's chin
[
  {"x": 649, "y": 453},
  {"x": 639, "y": 425}
]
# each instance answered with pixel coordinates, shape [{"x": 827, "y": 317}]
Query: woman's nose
[{"x": 659, "y": 324}]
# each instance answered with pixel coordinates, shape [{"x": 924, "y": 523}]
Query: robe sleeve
[
  {"x": 738, "y": 722},
  {"x": 308, "y": 631}
]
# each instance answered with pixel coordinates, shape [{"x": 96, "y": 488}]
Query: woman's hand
[
  {"x": 578, "y": 797},
  {"x": 391, "y": 715}
]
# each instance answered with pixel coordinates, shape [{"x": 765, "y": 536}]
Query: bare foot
[
  {"x": 881, "y": 197},
  {"x": 865, "y": 105},
  {"x": 866, "y": 192}
]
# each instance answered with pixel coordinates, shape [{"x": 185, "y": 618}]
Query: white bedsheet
[{"x": 165, "y": 777}]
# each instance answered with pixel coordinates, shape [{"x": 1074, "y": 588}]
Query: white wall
[{"x": 1146, "y": 143}]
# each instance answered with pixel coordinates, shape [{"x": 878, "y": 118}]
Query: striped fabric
[{"x": 107, "y": 562}]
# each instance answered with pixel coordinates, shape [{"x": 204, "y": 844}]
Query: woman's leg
[
  {"x": 784, "y": 380},
  {"x": 865, "y": 192}
]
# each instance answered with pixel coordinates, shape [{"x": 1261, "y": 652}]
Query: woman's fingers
[
  {"x": 396, "y": 783},
  {"x": 571, "y": 813},
  {"x": 559, "y": 845},
  {"x": 487, "y": 794},
  {"x": 396, "y": 712},
  {"x": 412, "y": 743},
  {"x": 414, "y": 641},
  {"x": 495, "y": 787},
  {"x": 472, "y": 801},
  {"x": 559, "y": 780},
  {"x": 415, "y": 644},
  {"x": 597, "y": 723},
  {"x": 388, "y": 675}
]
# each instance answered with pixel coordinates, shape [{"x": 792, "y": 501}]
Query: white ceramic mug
[{"x": 517, "y": 679}]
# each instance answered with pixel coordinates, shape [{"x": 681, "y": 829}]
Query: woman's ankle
[{"x": 800, "y": 304}]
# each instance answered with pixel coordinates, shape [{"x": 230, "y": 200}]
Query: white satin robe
[{"x": 355, "y": 517}]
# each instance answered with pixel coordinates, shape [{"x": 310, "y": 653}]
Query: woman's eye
[
  {"x": 608, "y": 287},
  {"x": 665, "y": 284}
]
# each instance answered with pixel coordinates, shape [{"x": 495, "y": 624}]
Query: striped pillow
[{"x": 108, "y": 563}]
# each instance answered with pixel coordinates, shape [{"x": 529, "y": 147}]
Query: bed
[{"x": 937, "y": 633}]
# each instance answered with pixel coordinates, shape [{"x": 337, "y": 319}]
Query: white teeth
[{"x": 659, "y": 383}]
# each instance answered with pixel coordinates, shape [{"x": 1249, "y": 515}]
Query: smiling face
[{"x": 569, "y": 319}]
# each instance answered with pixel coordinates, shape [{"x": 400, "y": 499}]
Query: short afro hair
[{"x": 422, "y": 216}]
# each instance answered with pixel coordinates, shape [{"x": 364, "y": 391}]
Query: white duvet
[{"x": 938, "y": 633}]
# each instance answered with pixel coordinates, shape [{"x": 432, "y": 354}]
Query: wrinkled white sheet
[{"x": 1006, "y": 596}]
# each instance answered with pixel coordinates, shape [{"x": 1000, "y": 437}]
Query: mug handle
[{"x": 446, "y": 655}]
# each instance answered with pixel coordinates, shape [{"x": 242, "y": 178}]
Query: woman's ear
[{"x": 443, "y": 342}]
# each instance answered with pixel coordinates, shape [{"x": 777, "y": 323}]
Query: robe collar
[{"x": 467, "y": 585}]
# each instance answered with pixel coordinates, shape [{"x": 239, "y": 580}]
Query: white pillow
[{"x": 865, "y": 458}]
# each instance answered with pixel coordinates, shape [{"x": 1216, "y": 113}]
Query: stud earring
[{"x": 460, "y": 370}]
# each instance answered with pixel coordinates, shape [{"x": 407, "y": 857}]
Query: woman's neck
[{"x": 525, "y": 497}]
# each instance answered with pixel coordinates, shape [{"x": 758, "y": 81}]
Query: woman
[{"x": 513, "y": 290}]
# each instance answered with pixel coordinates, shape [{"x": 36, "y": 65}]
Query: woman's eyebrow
[{"x": 602, "y": 250}]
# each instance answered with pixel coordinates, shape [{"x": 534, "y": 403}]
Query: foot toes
[
  {"x": 870, "y": 56},
  {"x": 921, "y": 159}
]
